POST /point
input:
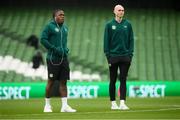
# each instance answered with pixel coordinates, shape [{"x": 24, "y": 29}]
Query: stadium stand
[{"x": 157, "y": 42}]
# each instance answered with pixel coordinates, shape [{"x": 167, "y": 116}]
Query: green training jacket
[
  {"x": 118, "y": 39},
  {"x": 54, "y": 39}
]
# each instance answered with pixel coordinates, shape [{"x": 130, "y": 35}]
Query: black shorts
[
  {"x": 113, "y": 60},
  {"x": 57, "y": 71}
]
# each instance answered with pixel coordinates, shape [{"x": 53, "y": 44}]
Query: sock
[
  {"x": 47, "y": 101},
  {"x": 122, "y": 102},
  {"x": 113, "y": 103},
  {"x": 64, "y": 101}
]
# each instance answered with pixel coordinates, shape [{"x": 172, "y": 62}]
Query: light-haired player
[{"x": 118, "y": 48}]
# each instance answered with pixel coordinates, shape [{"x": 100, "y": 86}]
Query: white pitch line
[{"x": 114, "y": 111}]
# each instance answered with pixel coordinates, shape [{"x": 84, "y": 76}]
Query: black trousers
[{"x": 123, "y": 63}]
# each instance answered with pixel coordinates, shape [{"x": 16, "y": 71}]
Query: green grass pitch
[{"x": 99, "y": 108}]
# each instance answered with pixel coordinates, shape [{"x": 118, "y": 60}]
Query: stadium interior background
[{"x": 156, "y": 24}]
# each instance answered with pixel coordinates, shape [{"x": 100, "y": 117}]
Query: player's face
[
  {"x": 59, "y": 17},
  {"x": 119, "y": 11}
]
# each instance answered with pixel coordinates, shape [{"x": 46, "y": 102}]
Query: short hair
[{"x": 55, "y": 11}]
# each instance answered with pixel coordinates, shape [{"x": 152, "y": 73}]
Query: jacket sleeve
[
  {"x": 131, "y": 41},
  {"x": 106, "y": 41},
  {"x": 45, "y": 39},
  {"x": 66, "y": 48}
]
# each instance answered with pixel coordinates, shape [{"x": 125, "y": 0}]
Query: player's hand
[
  {"x": 58, "y": 51},
  {"x": 67, "y": 51}
]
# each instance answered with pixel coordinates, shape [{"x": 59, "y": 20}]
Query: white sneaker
[
  {"x": 67, "y": 109},
  {"x": 114, "y": 107},
  {"x": 123, "y": 107},
  {"x": 47, "y": 108}
]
